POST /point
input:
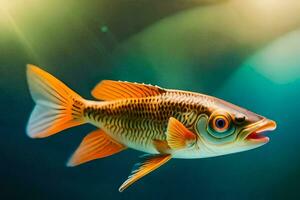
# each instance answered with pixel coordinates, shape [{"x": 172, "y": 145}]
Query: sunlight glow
[
  {"x": 4, "y": 7},
  {"x": 6, "y": 4},
  {"x": 280, "y": 60},
  {"x": 8, "y": 22}
]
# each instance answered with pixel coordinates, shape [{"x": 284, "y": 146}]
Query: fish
[{"x": 163, "y": 123}]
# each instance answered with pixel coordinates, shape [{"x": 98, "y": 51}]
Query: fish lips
[{"x": 254, "y": 132}]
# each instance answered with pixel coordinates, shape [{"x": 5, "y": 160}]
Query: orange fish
[{"x": 163, "y": 123}]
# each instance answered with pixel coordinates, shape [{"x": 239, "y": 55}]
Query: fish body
[
  {"x": 161, "y": 122},
  {"x": 137, "y": 122}
]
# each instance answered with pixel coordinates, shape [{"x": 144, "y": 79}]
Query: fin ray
[
  {"x": 57, "y": 107},
  {"x": 178, "y": 136},
  {"x": 95, "y": 145},
  {"x": 141, "y": 169},
  {"x": 113, "y": 90}
]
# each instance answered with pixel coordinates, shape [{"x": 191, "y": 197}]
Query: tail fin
[{"x": 57, "y": 106}]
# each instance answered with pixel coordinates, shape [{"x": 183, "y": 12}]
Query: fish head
[{"x": 227, "y": 128}]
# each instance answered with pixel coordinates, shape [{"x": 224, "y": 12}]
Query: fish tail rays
[{"x": 57, "y": 106}]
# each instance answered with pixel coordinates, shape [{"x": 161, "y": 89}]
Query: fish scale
[{"x": 138, "y": 121}]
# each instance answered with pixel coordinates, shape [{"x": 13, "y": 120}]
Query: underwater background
[{"x": 246, "y": 52}]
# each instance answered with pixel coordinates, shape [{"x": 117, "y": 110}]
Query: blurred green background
[{"x": 246, "y": 52}]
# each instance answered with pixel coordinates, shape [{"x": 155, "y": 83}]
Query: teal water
[{"x": 245, "y": 52}]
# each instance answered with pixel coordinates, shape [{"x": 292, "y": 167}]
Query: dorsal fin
[{"x": 113, "y": 90}]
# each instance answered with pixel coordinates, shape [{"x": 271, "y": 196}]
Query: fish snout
[{"x": 255, "y": 132}]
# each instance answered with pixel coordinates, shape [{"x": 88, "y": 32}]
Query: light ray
[
  {"x": 13, "y": 24},
  {"x": 280, "y": 60}
]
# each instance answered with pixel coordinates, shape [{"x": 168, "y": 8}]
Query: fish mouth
[{"x": 255, "y": 131}]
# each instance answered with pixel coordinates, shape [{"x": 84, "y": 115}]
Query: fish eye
[{"x": 220, "y": 123}]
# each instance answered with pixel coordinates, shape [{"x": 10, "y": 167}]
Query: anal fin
[
  {"x": 144, "y": 167},
  {"x": 96, "y": 144}
]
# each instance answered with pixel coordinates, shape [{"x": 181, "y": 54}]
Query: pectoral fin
[
  {"x": 162, "y": 146},
  {"x": 96, "y": 144},
  {"x": 178, "y": 136},
  {"x": 147, "y": 165}
]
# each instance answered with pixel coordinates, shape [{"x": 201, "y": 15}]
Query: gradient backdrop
[{"x": 244, "y": 51}]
